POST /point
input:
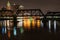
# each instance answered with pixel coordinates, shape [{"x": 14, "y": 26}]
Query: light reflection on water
[
  {"x": 54, "y": 25},
  {"x": 27, "y": 24}
]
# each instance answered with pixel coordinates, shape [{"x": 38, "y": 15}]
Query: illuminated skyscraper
[{"x": 8, "y": 5}]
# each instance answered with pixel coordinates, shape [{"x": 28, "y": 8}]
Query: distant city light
[
  {"x": 14, "y": 4},
  {"x": 21, "y": 7},
  {"x": 8, "y": 5},
  {"x": 19, "y": 23}
]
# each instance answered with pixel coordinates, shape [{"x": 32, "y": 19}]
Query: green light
[
  {"x": 56, "y": 17},
  {"x": 30, "y": 18},
  {"x": 21, "y": 30}
]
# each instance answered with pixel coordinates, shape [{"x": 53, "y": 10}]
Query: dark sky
[{"x": 44, "y": 5}]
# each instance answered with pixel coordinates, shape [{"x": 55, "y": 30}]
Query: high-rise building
[{"x": 8, "y": 6}]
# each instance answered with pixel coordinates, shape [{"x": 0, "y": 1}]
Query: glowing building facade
[{"x": 8, "y": 6}]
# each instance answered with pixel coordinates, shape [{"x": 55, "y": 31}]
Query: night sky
[{"x": 44, "y": 5}]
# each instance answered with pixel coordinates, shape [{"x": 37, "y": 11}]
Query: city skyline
[{"x": 44, "y": 5}]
